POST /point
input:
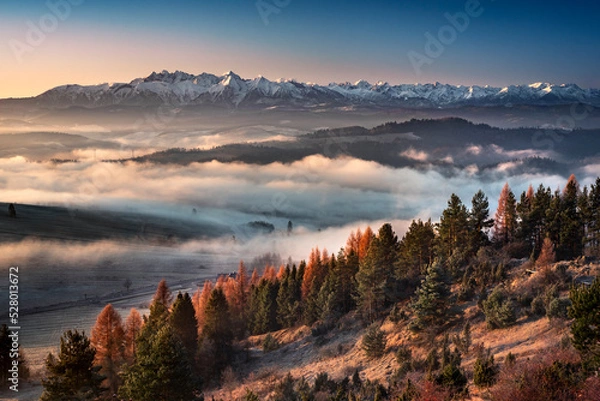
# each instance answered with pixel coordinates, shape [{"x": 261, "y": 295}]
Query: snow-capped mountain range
[{"x": 230, "y": 90}]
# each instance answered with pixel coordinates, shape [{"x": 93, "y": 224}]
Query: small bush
[
  {"x": 485, "y": 370},
  {"x": 558, "y": 308},
  {"x": 453, "y": 379},
  {"x": 398, "y": 314},
  {"x": 374, "y": 342},
  {"x": 270, "y": 343},
  {"x": 538, "y": 306},
  {"x": 320, "y": 329},
  {"x": 498, "y": 309},
  {"x": 552, "y": 375},
  {"x": 250, "y": 396},
  {"x": 510, "y": 359},
  {"x": 404, "y": 354}
]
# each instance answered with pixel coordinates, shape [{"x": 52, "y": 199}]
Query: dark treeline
[{"x": 186, "y": 343}]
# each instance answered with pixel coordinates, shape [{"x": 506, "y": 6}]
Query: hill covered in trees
[
  {"x": 447, "y": 143},
  {"x": 455, "y": 309}
]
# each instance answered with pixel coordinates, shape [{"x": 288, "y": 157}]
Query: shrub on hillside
[
  {"x": 270, "y": 343},
  {"x": 554, "y": 375},
  {"x": 374, "y": 342},
  {"x": 499, "y": 309},
  {"x": 558, "y": 308},
  {"x": 485, "y": 370}
]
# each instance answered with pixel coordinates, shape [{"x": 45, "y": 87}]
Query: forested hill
[
  {"x": 471, "y": 305},
  {"x": 448, "y": 143}
]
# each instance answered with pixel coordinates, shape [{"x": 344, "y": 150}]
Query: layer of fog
[{"x": 314, "y": 193}]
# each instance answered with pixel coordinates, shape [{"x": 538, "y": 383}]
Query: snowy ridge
[{"x": 180, "y": 88}]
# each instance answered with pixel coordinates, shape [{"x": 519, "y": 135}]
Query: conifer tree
[
  {"x": 431, "y": 303},
  {"x": 525, "y": 229},
  {"x": 365, "y": 243},
  {"x": 547, "y": 255},
  {"x": 376, "y": 280},
  {"x": 593, "y": 238},
  {"x": 217, "y": 335},
  {"x": 162, "y": 371},
  {"x": 200, "y": 300},
  {"x": 479, "y": 221},
  {"x": 571, "y": 229},
  {"x": 133, "y": 327},
  {"x": 505, "y": 219},
  {"x": 264, "y": 307},
  {"x": 538, "y": 218},
  {"x": 108, "y": 339},
  {"x": 313, "y": 274},
  {"x": 453, "y": 229},
  {"x": 416, "y": 250},
  {"x": 72, "y": 374},
  {"x": 184, "y": 324},
  {"x": 585, "y": 304},
  {"x": 288, "y": 299},
  {"x": 159, "y": 309}
]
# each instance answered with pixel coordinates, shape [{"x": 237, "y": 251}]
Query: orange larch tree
[
  {"x": 133, "y": 326},
  {"x": 108, "y": 339}
]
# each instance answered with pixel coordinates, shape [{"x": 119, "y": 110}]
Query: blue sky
[{"x": 318, "y": 41}]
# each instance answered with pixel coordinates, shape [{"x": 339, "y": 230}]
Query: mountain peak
[{"x": 230, "y": 89}]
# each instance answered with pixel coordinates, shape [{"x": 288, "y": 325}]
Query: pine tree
[
  {"x": 184, "y": 324},
  {"x": 108, "y": 339},
  {"x": 370, "y": 287},
  {"x": 570, "y": 244},
  {"x": 217, "y": 335},
  {"x": 453, "y": 229},
  {"x": 313, "y": 274},
  {"x": 133, "y": 327},
  {"x": 72, "y": 375},
  {"x": 479, "y": 221},
  {"x": 585, "y": 305},
  {"x": 161, "y": 371},
  {"x": 431, "y": 303},
  {"x": 485, "y": 370},
  {"x": 525, "y": 231},
  {"x": 376, "y": 280},
  {"x": 345, "y": 272},
  {"x": 593, "y": 240},
  {"x": 538, "y": 218},
  {"x": 505, "y": 219},
  {"x": 288, "y": 299},
  {"x": 554, "y": 219},
  {"x": 416, "y": 250},
  {"x": 374, "y": 342}
]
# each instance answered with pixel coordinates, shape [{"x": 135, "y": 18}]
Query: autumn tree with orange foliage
[
  {"x": 505, "y": 219},
  {"x": 547, "y": 255},
  {"x": 108, "y": 340},
  {"x": 133, "y": 327},
  {"x": 200, "y": 301}
]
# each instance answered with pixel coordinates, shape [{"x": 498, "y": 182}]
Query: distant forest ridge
[{"x": 447, "y": 142}]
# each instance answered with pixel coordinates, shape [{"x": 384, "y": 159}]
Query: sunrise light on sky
[{"x": 96, "y": 41}]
